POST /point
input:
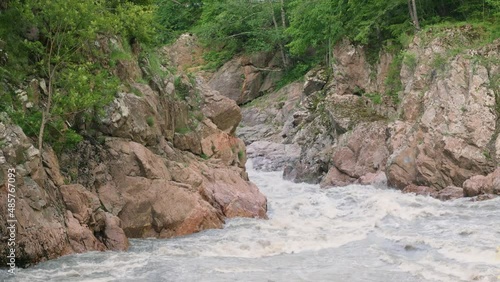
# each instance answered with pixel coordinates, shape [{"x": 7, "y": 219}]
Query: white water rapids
[{"x": 354, "y": 233}]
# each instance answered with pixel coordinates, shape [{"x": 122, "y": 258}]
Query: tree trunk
[
  {"x": 45, "y": 116},
  {"x": 412, "y": 7},
  {"x": 282, "y": 49},
  {"x": 417, "y": 24},
  {"x": 51, "y": 70},
  {"x": 283, "y": 15}
]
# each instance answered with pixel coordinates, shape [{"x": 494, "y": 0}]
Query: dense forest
[{"x": 57, "y": 41}]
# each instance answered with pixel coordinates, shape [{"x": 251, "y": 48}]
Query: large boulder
[
  {"x": 221, "y": 110},
  {"x": 168, "y": 193},
  {"x": 364, "y": 152},
  {"x": 480, "y": 184}
]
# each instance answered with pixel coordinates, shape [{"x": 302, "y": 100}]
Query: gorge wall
[
  {"x": 163, "y": 161},
  {"x": 424, "y": 121}
]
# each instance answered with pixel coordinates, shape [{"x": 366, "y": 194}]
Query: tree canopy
[{"x": 247, "y": 25}]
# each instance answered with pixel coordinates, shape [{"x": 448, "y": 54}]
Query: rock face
[
  {"x": 245, "y": 78},
  {"x": 265, "y": 125},
  {"x": 162, "y": 162},
  {"x": 272, "y": 156},
  {"x": 168, "y": 193},
  {"x": 41, "y": 230},
  {"x": 358, "y": 158},
  {"x": 438, "y": 135},
  {"x": 448, "y": 120}
]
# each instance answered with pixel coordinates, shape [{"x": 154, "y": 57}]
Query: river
[{"x": 353, "y": 233}]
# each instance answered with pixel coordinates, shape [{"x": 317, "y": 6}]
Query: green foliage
[
  {"x": 295, "y": 73},
  {"x": 241, "y": 155},
  {"x": 55, "y": 40},
  {"x": 319, "y": 24},
  {"x": 118, "y": 55},
  {"x": 183, "y": 130},
  {"x": 393, "y": 81},
  {"x": 176, "y": 17},
  {"x": 311, "y": 28},
  {"x": 231, "y": 26},
  {"x": 137, "y": 22},
  {"x": 376, "y": 98},
  {"x": 181, "y": 89},
  {"x": 150, "y": 121},
  {"x": 16, "y": 67},
  {"x": 438, "y": 62},
  {"x": 152, "y": 62},
  {"x": 487, "y": 154},
  {"x": 215, "y": 59},
  {"x": 410, "y": 60}
]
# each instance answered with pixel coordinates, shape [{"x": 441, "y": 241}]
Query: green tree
[
  {"x": 231, "y": 26},
  {"x": 177, "y": 16},
  {"x": 75, "y": 82}
]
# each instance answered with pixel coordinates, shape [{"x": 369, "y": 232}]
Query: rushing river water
[{"x": 354, "y": 233}]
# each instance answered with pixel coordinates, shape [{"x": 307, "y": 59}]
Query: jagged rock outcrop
[
  {"x": 245, "y": 78},
  {"x": 162, "y": 162},
  {"x": 271, "y": 156},
  {"x": 40, "y": 227},
  {"x": 265, "y": 125},
  {"x": 185, "y": 53},
  {"x": 53, "y": 219},
  {"x": 358, "y": 154},
  {"x": 167, "y": 193},
  {"x": 270, "y": 117},
  {"x": 449, "y": 119},
  {"x": 439, "y": 136}
]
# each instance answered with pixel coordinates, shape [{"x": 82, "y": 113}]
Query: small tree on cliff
[{"x": 73, "y": 83}]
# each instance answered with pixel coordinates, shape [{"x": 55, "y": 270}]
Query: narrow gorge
[{"x": 242, "y": 161}]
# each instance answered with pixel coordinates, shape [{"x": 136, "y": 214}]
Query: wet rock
[
  {"x": 420, "y": 190},
  {"x": 483, "y": 197},
  {"x": 450, "y": 193},
  {"x": 80, "y": 202},
  {"x": 480, "y": 184},
  {"x": 334, "y": 177},
  {"x": 364, "y": 151},
  {"x": 171, "y": 195},
  {"x": 447, "y": 134},
  {"x": 80, "y": 237},
  {"x": 114, "y": 236},
  {"x": 270, "y": 156},
  {"x": 476, "y": 185},
  {"x": 378, "y": 179},
  {"x": 225, "y": 188}
]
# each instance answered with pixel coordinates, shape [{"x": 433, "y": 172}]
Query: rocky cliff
[
  {"x": 424, "y": 120},
  {"x": 163, "y": 161}
]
